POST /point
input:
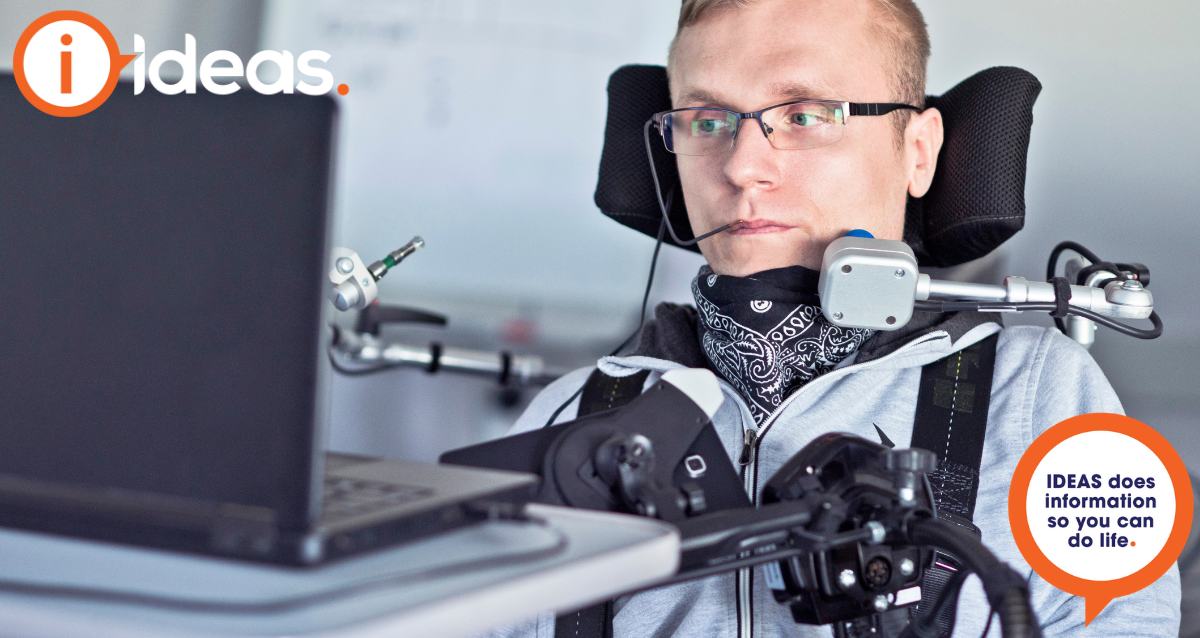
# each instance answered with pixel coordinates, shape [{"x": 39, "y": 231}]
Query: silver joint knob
[
  {"x": 377, "y": 270},
  {"x": 881, "y": 603},
  {"x": 878, "y": 532},
  {"x": 847, "y": 579},
  {"x": 346, "y": 295},
  {"x": 907, "y": 567}
]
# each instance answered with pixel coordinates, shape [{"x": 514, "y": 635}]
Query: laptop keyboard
[{"x": 345, "y": 497}]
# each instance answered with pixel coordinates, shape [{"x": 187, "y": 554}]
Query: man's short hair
[{"x": 902, "y": 35}]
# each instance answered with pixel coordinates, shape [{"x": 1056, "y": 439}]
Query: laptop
[{"x": 162, "y": 372}]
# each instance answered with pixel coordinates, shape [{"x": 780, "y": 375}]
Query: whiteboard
[{"x": 478, "y": 125}]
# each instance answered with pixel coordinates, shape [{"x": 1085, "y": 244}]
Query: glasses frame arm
[{"x": 877, "y": 108}]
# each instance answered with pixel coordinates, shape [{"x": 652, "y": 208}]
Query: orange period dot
[
  {"x": 1132, "y": 544},
  {"x": 343, "y": 89},
  {"x": 66, "y": 39}
]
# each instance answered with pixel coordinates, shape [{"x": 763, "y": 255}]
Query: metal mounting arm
[{"x": 874, "y": 283}]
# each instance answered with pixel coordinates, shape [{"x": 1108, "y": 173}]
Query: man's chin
[{"x": 743, "y": 255}]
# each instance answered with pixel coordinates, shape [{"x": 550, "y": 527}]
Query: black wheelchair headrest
[{"x": 976, "y": 202}]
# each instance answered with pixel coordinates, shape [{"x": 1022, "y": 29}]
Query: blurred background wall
[{"x": 519, "y": 257}]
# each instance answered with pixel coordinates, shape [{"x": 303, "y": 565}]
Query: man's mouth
[{"x": 758, "y": 227}]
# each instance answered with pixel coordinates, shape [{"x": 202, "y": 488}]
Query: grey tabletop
[{"x": 456, "y": 584}]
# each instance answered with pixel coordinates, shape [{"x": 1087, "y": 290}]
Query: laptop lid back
[{"x": 163, "y": 266}]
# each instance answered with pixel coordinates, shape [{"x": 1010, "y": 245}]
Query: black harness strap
[
  {"x": 590, "y": 622},
  {"x": 601, "y": 392},
  {"x": 951, "y": 421}
]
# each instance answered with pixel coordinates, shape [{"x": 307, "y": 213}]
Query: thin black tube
[
  {"x": 645, "y": 295},
  {"x": 1081, "y": 278},
  {"x": 641, "y": 318},
  {"x": 1053, "y": 266},
  {"x": 1068, "y": 245},
  {"x": 983, "y": 306},
  {"x": 663, "y": 207},
  {"x": 562, "y": 407},
  {"x": 987, "y": 627},
  {"x": 1125, "y": 329}
]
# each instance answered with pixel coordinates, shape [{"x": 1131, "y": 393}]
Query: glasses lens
[
  {"x": 804, "y": 125},
  {"x": 699, "y": 131}
]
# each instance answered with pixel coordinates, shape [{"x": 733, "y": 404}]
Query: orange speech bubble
[
  {"x": 1098, "y": 593},
  {"x": 20, "y": 72}
]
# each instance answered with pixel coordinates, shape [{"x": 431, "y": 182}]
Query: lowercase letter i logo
[{"x": 67, "y": 63}]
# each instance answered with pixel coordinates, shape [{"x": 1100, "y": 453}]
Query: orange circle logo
[
  {"x": 67, "y": 63},
  {"x": 1100, "y": 506}
]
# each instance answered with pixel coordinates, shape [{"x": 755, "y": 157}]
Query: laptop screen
[{"x": 162, "y": 260}]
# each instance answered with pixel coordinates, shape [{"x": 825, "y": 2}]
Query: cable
[
  {"x": 1052, "y": 266},
  {"x": 1107, "y": 266},
  {"x": 1125, "y": 329},
  {"x": 641, "y": 320},
  {"x": 1068, "y": 245},
  {"x": 287, "y": 604},
  {"x": 663, "y": 207},
  {"x": 1000, "y": 306},
  {"x": 1081, "y": 279},
  {"x": 562, "y": 407},
  {"x": 988, "y": 626},
  {"x": 665, "y": 224},
  {"x": 645, "y": 295}
]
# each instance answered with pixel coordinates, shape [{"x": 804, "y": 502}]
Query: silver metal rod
[
  {"x": 413, "y": 245},
  {"x": 522, "y": 369},
  {"x": 963, "y": 290}
]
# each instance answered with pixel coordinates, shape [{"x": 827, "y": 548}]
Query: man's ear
[{"x": 922, "y": 142}]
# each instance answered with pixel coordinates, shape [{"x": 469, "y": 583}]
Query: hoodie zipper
[
  {"x": 748, "y": 459},
  {"x": 744, "y": 575}
]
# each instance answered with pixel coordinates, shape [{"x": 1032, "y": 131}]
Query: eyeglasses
[{"x": 789, "y": 127}]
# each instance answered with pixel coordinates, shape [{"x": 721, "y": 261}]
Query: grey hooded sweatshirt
[{"x": 1041, "y": 377}]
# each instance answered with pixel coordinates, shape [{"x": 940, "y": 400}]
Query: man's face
[{"x": 795, "y": 201}]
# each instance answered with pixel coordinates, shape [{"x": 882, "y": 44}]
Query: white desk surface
[{"x": 411, "y": 590}]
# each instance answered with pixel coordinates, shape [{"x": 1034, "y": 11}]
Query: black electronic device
[
  {"x": 848, "y": 528},
  {"x": 846, "y": 531},
  {"x": 603, "y": 462},
  {"x": 163, "y": 381}
]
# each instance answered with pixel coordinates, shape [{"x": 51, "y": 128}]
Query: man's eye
[
  {"x": 707, "y": 127},
  {"x": 806, "y": 119}
]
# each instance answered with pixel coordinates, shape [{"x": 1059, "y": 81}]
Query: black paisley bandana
[{"x": 766, "y": 335}]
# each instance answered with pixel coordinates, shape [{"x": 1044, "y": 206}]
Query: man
[{"x": 788, "y": 375}]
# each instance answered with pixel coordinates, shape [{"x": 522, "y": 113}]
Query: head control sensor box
[{"x": 868, "y": 283}]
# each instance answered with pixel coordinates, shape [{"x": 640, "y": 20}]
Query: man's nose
[{"x": 752, "y": 162}]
